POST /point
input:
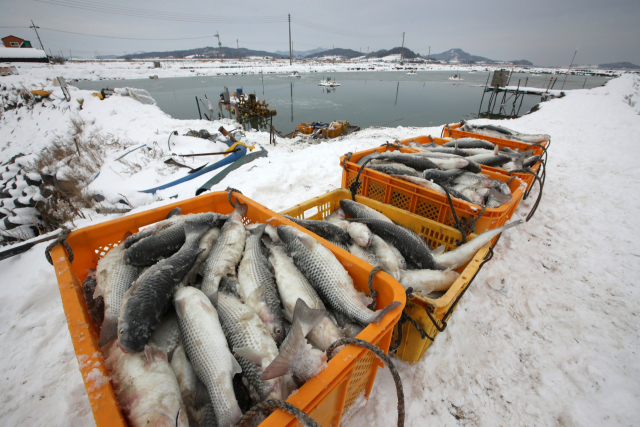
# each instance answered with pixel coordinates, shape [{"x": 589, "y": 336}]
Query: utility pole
[
  {"x": 334, "y": 54},
  {"x": 290, "y": 46},
  {"x": 565, "y": 76},
  {"x": 429, "y": 56},
  {"x": 402, "y": 50},
  {"x": 38, "y": 35},
  {"x": 367, "y": 52},
  {"x": 238, "y": 46},
  {"x": 70, "y": 56},
  {"x": 219, "y": 45}
]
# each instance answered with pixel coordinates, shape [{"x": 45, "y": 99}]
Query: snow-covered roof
[{"x": 7, "y": 52}]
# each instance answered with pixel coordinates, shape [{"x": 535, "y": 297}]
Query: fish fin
[
  {"x": 202, "y": 395},
  {"x": 308, "y": 317},
  {"x": 174, "y": 212},
  {"x": 259, "y": 230},
  {"x": 208, "y": 307},
  {"x": 439, "y": 250},
  {"x": 153, "y": 353},
  {"x": 125, "y": 237},
  {"x": 280, "y": 365},
  {"x": 235, "y": 366},
  {"x": 108, "y": 331},
  {"x": 250, "y": 354},
  {"x": 241, "y": 208},
  {"x": 378, "y": 315},
  {"x": 496, "y": 150},
  {"x": 307, "y": 240}
]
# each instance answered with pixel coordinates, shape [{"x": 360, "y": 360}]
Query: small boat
[
  {"x": 328, "y": 82},
  {"x": 473, "y": 71},
  {"x": 295, "y": 74},
  {"x": 153, "y": 77},
  {"x": 412, "y": 73},
  {"x": 456, "y": 77}
]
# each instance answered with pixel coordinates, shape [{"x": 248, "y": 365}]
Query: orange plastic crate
[
  {"x": 421, "y": 201},
  {"x": 527, "y": 178},
  {"x": 325, "y": 397}
]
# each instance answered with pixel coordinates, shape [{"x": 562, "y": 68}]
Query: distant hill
[
  {"x": 460, "y": 56},
  {"x": 347, "y": 53},
  {"x": 407, "y": 53},
  {"x": 620, "y": 66},
  {"x": 300, "y": 53},
  {"x": 204, "y": 52}
]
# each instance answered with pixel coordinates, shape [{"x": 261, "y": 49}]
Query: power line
[
  {"x": 167, "y": 16},
  {"x": 123, "y": 38}
]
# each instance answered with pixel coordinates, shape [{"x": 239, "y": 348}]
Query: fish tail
[
  {"x": 241, "y": 208},
  {"x": 378, "y": 315},
  {"x": 282, "y": 363},
  {"x": 308, "y": 317}
]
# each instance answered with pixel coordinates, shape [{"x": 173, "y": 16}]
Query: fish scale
[
  {"x": 149, "y": 298},
  {"x": 114, "y": 278},
  {"x": 226, "y": 253},
  {"x": 169, "y": 240},
  {"x": 328, "y": 276},
  {"x": 206, "y": 345},
  {"x": 244, "y": 329},
  {"x": 257, "y": 286}
]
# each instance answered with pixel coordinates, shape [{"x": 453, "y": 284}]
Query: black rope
[
  {"x": 230, "y": 190},
  {"x": 540, "y": 184},
  {"x": 404, "y": 318},
  {"x": 355, "y": 185},
  {"x": 464, "y": 225},
  {"x": 61, "y": 239},
  {"x": 374, "y": 294},
  {"x": 387, "y": 361},
  {"x": 431, "y": 138},
  {"x": 544, "y": 149},
  {"x": 388, "y": 144},
  {"x": 273, "y": 404}
]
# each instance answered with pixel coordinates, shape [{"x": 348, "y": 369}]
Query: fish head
[
  {"x": 127, "y": 340},
  {"x": 361, "y": 234},
  {"x": 277, "y": 332}
]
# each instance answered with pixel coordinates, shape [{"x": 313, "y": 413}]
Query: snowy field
[
  {"x": 111, "y": 69},
  {"x": 547, "y": 335}
]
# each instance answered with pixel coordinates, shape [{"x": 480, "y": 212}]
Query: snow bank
[
  {"x": 546, "y": 335},
  {"x": 7, "y": 52}
]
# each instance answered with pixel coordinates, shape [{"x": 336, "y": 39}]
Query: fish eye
[
  {"x": 121, "y": 331},
  {"x": 278, "y": 331}
]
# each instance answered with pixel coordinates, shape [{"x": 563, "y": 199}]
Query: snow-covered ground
[
  {"x": 112, "y": 69},
  {"x": 546, "y": 335}
]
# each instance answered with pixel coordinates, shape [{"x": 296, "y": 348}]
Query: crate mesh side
[
  {"x": 376, "y": 191},
  {"x": 399, "y": 200},
  {"x": 102, "y": 251},
  {"x": 427, "y": 209},
  {"x": 359, "y": 378}
]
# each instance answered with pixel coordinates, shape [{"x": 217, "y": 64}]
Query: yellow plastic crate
[{"x": 412, "y": 346}]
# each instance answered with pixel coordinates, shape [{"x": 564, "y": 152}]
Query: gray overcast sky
[{"x": 545, "y": 32}]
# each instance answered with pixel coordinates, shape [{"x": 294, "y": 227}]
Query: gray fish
[
  {"x": 463, "y": 254},
  {"x": 470, "y": 143},
  {"x": 439, "y": 176},
  {"x": 257, "y": 286},
  {"x": 437, "y": 149},
  {"x": 358, "y": 210},
  {"x": 327, "y": 275},
  {"x": 167, "y": 241},
  {"x": 172, "y": 218},
  {"x": 189, "y": 383},
  {"x": 208, "y": 351},
  {"x": 394, "y": 169},
  {"x": 406, "y": 243},
  {"x": 505, "y": 133},
  {"x": 226, "y": 253},
  {"x": 324, "y": 229},
  {"x": 530, "y": 161},
  {"x": 365, "y": 254},
  {"x": 494, "y": 160},
  {"x": 114, "y": 278},
  {"x": 458, "y": 195},
  {"x": 472, "y": 180},
  {"x": 418, "y": 163},
  {"x": 249, "y": 338},
  {"x": 150, "y": 296},
  {"x": 428, "y": 281}
]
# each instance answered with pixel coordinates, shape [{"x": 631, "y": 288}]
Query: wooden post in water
[
  {"x": 483, "y": 90},
  {"x": 585, "y": 82}
]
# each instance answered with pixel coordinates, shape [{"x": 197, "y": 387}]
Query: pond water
[{"x": 392, "y": 98}]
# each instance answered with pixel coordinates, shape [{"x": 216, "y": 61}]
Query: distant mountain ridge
[
  {"x": 620, "y": 66},
  {"x": 301, "y": 53},
  {"x": 460, "y": 56},
  {"x": 205, "y": 52}
]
